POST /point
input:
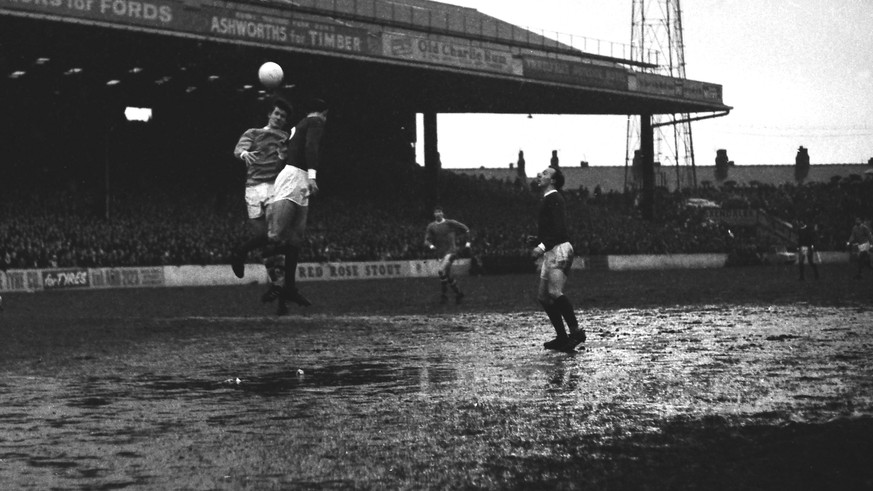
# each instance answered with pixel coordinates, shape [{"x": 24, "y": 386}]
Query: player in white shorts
[
  {"x": 263, "y": 151},
  {"x": 553, "y": 244},
  {"x": 288, "y": 209}
]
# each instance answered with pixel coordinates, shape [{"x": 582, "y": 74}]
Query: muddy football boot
[
  {"x": 577, "y": 337},
  {"x": 295, "y": 296},
  {"x": 272, "y": 294},
  {"x": 558, "y": 343},
  {"x": 282, "y": 309}
]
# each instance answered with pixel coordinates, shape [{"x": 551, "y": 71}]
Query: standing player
[
  {"x": 440, "y": 236},
  {"x": 806, "y": 240},
  {"x": 861, "y": 240},
  {"x": 262, "y": 150},
  {"x": 288, "y": 208},
  {"x": 553, "y": 244}
]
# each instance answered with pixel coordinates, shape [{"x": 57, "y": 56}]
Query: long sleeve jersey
[
  {"x": 861, "y": 234},
  {"x": 552, "y": 229},
  {"x": 270, "y": 147},
  {"x": 806, "y": 237},
  {"x": 443, "y": 235},
  {"x": 304, "y": 148}
]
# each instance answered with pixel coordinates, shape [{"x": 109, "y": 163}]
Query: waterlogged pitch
[{"x": 690, "y": 379}]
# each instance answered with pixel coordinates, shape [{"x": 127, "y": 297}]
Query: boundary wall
[
  {"x": 29, "y": 280},
  {"x": 211, "y": 275}
]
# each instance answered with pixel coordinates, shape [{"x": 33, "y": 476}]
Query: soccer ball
[{"x": 270, "y": 74}]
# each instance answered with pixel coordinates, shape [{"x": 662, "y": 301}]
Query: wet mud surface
[{"x": 675, "y": 389}]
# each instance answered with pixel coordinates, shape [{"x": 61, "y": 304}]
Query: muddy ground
[{"x": 739, "y": 378}]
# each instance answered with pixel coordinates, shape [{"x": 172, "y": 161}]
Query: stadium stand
[{"x": 166, "y": 225}]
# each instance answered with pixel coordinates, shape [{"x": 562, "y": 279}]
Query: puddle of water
[{"x": 397, "y": 401}]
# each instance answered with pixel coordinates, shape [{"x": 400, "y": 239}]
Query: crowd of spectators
[{"x": 190, "y": 225}]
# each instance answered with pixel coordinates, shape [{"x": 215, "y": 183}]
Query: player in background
[
  {"x": 806, "y": 249},
  {"x": 553, "y": 244},
  {"x": 860, "y": 240},
  {"x": 288, "y": 208},
  {"x": 441, "y": 237},
  {"x": 262, "y": 150}
]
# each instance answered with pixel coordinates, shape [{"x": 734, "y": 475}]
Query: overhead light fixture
[
  {"x": 17, "y": 74},
  {"x": 73, "y": 71},
  {"x": 135, "y": 70},
  {"x": 143, "y": 114},
  {"x": 113, "y": 82},
  {"x": 163, "y": 80},
  {"x": 213, "y": 78},
  {"x": 42, "y": 60},
  {"x": 190, "y": 89}
]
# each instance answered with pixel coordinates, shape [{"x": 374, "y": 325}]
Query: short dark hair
[
  {"x": 558, "y": 177},
  {"x": 315, "y": 105},
  {"x": 282, "y": 104}
]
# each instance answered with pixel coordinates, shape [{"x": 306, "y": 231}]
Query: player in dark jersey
[
  {"x": 860, "y": 243},
  {"x": 288, "y": 208},
  {"x": 441, "y": 237},
  {"x": 806, "y": 249},
  {"x": 553, "y": 244},
  {"x": 262, "y": 150}
]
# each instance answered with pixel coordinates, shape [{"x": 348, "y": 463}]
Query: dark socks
[
  {"x": 454, "y": 285},
  {"x": 271, "y": 249},
  {"x": 250, "y": 245},
  {"x": 555, "y": 317},
  {"x": 562, "y": 305}
]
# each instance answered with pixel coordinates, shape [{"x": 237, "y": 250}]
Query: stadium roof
[
  {"x": 466, "y": 22},
  {"x": 45, "y": 51}
]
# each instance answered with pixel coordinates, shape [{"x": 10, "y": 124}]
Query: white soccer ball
[{"x": 271, "y": 75}]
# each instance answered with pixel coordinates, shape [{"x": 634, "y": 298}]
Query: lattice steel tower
[{"x": 656, "y": 28}]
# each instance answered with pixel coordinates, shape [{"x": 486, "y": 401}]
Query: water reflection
[{"x": 464, "y": 395}]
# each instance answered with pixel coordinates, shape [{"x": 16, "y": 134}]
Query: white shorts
[
  {"x": 558, "y": 257},
  {"x": 291, "y": 185},
  {"x": 257, "y": 197},
  {"x": 445, "y": 264}
]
